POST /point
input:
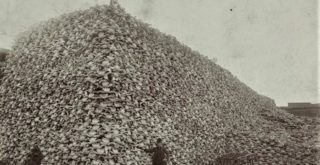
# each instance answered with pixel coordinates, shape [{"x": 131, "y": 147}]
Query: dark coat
[
  {"x": 160, "y": 155},
  {"x": 35, "y": 157}
]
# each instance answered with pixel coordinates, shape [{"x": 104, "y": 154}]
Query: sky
[{"x": 271, "y": 45}]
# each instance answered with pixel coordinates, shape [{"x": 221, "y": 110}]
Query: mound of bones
[{"x": 96, "y": 86}]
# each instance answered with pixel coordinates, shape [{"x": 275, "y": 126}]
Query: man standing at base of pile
[
  {"x": 160, "y": 154},
  {"x": 34, "y": 157}
]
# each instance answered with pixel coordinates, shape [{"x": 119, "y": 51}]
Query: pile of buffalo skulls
[{"x": 97, "y": 86}]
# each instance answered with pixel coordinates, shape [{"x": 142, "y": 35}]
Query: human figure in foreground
[
  {"x": 160, "y": 154},
  {"x": 34, "y": 157}
]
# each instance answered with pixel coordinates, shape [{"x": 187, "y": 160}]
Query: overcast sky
[{"x": 271, "y": 45}]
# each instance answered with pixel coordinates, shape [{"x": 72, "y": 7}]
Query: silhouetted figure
[
  {"x": 3, "y": 54},
  {"x": 113, "y": 3},
  {"x": 160, "y": 154},
  {"x": 34, "y": 157}
]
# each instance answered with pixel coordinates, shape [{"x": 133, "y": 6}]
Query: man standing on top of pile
[
  {"x": 113, "y": 3},
  {"x": 3, "y": 55},
  {"x": 160, "y": 154}
]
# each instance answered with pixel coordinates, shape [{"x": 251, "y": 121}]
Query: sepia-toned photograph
[{"x": 159, "y": 82}]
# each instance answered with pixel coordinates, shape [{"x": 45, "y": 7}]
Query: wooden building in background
[{"x": 303, "y": 109}]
